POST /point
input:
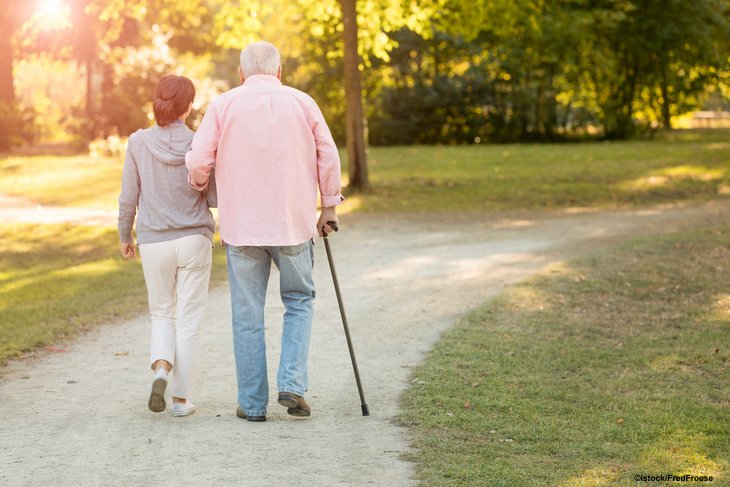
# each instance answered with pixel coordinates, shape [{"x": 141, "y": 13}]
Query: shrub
[{"x": 16, "y": 126}]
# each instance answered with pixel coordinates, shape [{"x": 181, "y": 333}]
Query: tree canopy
[{"x": 433, "y": 71}]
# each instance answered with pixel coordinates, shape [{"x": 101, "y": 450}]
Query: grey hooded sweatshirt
[{"x": 155, "y": 180}]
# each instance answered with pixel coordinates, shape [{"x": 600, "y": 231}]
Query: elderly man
[{"x": 271, "y": 150}]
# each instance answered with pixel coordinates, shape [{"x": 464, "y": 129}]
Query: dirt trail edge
[{"x": 79, "y": 417}]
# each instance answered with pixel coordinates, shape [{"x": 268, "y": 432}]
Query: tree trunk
[
  {"x": 619, "y": 110},
  {"x": 539, "y": 129},
  {"x": 7, "y": 24},
  {"x": 666, "y": 103},
  {"x": 357, "y": 163},
  {"x": 89, "y": 106}
]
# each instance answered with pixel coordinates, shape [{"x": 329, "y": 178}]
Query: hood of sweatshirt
[{"x": 168, "y": 144}]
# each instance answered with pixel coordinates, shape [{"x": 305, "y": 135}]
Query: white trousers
[{"x": 177, "y": 273}]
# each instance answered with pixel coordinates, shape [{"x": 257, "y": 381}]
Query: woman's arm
[{"x": 128, "y": 201}]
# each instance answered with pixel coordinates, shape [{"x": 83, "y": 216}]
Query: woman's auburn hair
[{"x": 173, "y": 96}]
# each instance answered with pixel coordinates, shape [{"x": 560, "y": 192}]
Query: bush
[
  {"x": 112, "y": 146},
  {"x": 17, "y": 126}
]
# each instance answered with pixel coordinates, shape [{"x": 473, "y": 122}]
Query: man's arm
[
  {"x": 200, "y": 160},
  {"x": 328, "y": 169}
]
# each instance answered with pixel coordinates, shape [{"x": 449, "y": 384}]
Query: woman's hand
[{"x": 127, "y": 249}]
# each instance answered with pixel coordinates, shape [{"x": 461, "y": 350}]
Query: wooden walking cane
[{"x": 363, "y": 405}]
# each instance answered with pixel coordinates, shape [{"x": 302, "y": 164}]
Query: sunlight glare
[{"x": 53, "y": 14}]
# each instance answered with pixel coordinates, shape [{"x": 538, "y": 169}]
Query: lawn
[
  {"x": 63, "y": 180},
  {"x": 613, "y": 365},
  {"x": 682, "y": 165},
  {"x": 56, "y": 280}
]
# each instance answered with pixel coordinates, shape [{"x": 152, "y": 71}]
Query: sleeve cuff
[
  {"x": 197, "y": 187},
  {"x": 328, "y": 201}
]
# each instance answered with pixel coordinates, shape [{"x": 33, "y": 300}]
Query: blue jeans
[{"x": 248, "y": 275}]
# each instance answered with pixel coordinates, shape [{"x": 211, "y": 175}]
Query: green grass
[
  {"x": 599, "y": 369},
  {"x": 58, "y": 279},
  {"x": 685, "y": 165},
  {"x": 63, "y": 180},
  {"x": 679, "y": 166}
]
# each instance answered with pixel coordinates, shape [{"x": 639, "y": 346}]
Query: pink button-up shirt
[{"x": 271, "y": 150}]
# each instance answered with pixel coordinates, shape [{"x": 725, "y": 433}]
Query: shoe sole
[
  {"x": 157, "y": 396},
  {"x": 288, "y": 402},
  {"x": 300, "y": 412},
  {"x": 293, "y": 407}
]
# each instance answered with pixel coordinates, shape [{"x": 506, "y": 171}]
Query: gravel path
[{"x": 78, "y": 416}]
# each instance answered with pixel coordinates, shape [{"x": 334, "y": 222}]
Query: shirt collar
[{"x": 256, "y": 79}]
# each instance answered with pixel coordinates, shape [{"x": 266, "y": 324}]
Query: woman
[{"x": 174, "y": 233}]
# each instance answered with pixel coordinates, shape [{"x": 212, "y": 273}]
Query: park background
[
  {"x": 433, "y": 71},
  {"x": 443, "y": 107}
]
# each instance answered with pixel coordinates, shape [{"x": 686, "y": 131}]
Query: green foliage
[
  {"x": 309, "y": 35},
  {"x": 551, "y": 70},
  {"x": 425, "y": 100},
  {"x": 16, "y": 126},
  {"x": 652, "y": 59},
  {"x": 434, "y": 71}
]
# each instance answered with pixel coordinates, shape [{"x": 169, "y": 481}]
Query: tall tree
[
  {"x": 12, "y": 15},
  {"x": 356, "y": 159},
  {"x": 688, "y": 44},
  {"x": 111, "y": 41},
  {"x": 320, "y": 38},
  {"x": 7, "y": 93}
]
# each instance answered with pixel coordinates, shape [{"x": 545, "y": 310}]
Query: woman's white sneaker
[
  {"x": 157, "y": 394},
  {"x": 182, "y": 408}
]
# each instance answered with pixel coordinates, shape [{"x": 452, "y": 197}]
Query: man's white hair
[{"x": 260, "y": 58}]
